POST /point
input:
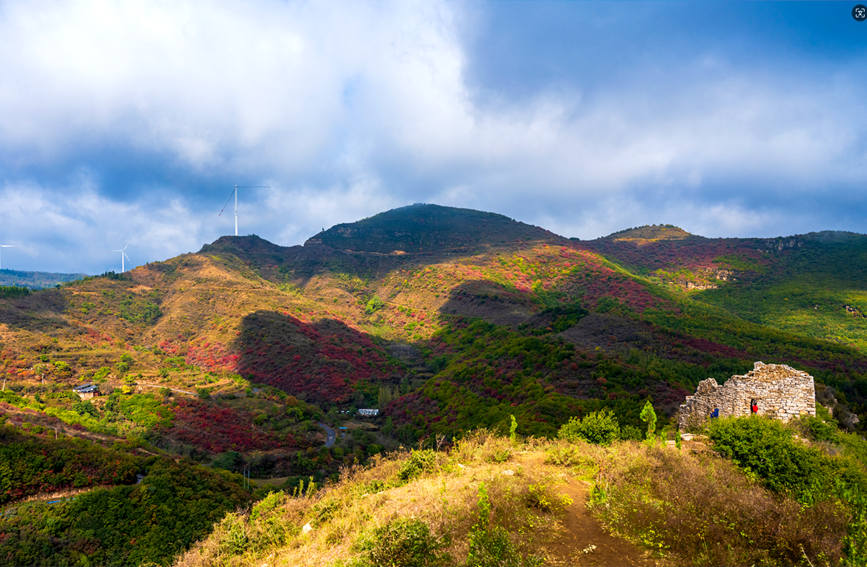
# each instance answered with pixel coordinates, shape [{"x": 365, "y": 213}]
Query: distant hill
[
  {"x": 36, "y": 280},
  {"x": 651, "y": 232},
  {"x": 423, "y": 227},
  {"x": 444, "y": 319}
]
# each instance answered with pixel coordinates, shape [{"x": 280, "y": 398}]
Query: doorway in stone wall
[{"x": 754, "y": 406}]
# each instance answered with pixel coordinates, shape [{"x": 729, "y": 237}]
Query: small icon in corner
[{"x": 859, "y": 12}]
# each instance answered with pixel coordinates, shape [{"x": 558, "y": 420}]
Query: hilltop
[
  {"x": 443, "y": 319},
  {"x": 649, "y": 233},
  {"x": 422, "y": 227}
]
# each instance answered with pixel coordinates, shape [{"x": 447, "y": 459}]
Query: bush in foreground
[{"x": 599, "y": 427}]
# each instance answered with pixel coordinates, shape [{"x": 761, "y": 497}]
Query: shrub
[
  {"x": 599, "y": 427},
  {"x": 490, "y": 544},
  {"x": 417, "y": 463},
  {"x": 85, "y": 408},
  {"x": 764, "y": 448},
  {"x": 62, "y": 368},
  {"x": 373, "y": 305},
  {"x": 706, "y": 512},
  {"x": 101, "y": 373},
  {"x": 648, "y": 415},
  {"x": 403, "y": 541},
  {"x": 631, "y": 433}
]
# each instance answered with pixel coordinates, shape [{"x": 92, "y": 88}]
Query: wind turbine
[
  {"x": 4, "y": 246},
  {"x": 235, "y": 192},
  {"x": 122, "y": 255}
]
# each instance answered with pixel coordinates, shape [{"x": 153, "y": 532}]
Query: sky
[{"x": 130, "y": 122}]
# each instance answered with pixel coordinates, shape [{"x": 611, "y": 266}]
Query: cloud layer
[{"x": 130, "y": 119}]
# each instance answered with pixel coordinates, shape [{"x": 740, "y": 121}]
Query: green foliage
[
  {"x": 29, "y": 465},
  {"x": 139, "y": 310},
  {"x": 230, "y": 461},
  {"x": 599, "y": 427},
  {"x": 62, "y": 368},
  {"x": 145, "y": 410},
  {"x": 417, "y": 463},
  {"x": 101, "y": 373},
  {"x": 765, "y": 448},
  {"x": 648, "y": 415},
  {"x": 403, "y": 542},
  {"x": 84, "y": 407},
  {"x": 490, "y": 544},
  {"x": 8, "y": 292},
  {"x": 631, "y": 433},
  {"x": 151, "y": 522},
  {"x": 374, "y": 305},
  {"x": 704, "y": 511},
  {"x": 513, "y": 428}
]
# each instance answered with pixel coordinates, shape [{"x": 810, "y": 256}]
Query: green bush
[
  {"x": 403, "y": 541},
  {"x": 62, "y": 368},
  {"x": 490, "y": 544},
  {"x": 648, "y": 415},
  {"x": 766, "y": 449},
  {"x": 101, "y": 373},
  {"x": 417, "y": 463},
  {"x": 599, "y": 427},
  {"x": 375, "y": 304},
  {"x": 85, "y": 408}
]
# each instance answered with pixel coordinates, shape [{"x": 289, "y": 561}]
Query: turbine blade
[{"x": 227, "y": 201}]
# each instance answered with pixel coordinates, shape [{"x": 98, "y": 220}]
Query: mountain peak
[
  {"x": 423, "y": 228},
  {"x": 650, "y": 232}
]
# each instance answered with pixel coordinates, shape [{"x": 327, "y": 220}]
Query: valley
[{"x": 221, "y": 364}]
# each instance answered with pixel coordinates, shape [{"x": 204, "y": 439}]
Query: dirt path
[{"x": 583, "y": 541}]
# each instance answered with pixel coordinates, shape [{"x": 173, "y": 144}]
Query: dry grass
[
  {"x": 445, "y": 498},
  {"x": 702, "y": 509},
  {"x": 691, "y": 508}
]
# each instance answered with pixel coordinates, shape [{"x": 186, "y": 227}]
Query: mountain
[
  {"x": 444, "y": 319},
  {"x": 36, "y": 280},
  {"x": 421, "y": 227}
]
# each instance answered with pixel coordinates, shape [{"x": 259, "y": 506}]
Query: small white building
[{"x": 368, "y": 412}]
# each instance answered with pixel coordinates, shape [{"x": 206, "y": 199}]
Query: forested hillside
[{"x": 443, "y": 319}]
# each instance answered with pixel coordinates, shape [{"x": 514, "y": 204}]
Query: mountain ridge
[{"x": 461, "y": 331}]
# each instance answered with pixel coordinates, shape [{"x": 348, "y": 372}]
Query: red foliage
[{"x": 220, "y": 429}]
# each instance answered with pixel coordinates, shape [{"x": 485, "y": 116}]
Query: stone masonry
[{"x": 779, "y": 391}]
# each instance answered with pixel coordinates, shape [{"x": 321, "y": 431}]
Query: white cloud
[
  {"x": 74, "y": 229},
  {"x": 351, "y": 108}
]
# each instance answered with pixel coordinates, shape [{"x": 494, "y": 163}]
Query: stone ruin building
[{"x": 778, "y": 390}]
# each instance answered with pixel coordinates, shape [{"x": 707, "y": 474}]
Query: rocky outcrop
[{"x": 779, "y": 391}]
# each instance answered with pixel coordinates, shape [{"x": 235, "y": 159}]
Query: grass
[
  {"x": 488, "y": 498},
  {"x": 704, "y": 511},
  {"x": 439, "y": 505}
]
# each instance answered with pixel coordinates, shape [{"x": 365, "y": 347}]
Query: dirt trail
[{"x": 583, "y": 541}]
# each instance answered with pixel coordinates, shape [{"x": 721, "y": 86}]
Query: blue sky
[{"x": 131, "y": 121}]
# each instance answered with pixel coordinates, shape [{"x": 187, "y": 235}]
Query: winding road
[{"x": 332, "y": 435}]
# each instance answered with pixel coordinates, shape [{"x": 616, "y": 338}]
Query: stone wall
[{"x": 779, "y": 391}]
